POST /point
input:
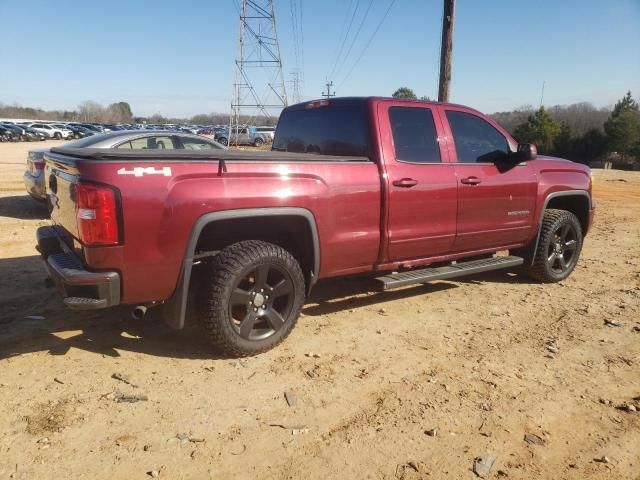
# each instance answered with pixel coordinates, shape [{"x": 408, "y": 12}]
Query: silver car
[
  {"x": 34, "y": 176},
  {"x": 124, "y": 139},
  {"x": 242, "y": 136}
]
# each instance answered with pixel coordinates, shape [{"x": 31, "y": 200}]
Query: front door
[
  {"x": 496, "y": 197},
  {"x": 421, "y": 186}
]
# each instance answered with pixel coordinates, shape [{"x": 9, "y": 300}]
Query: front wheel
[
  {"x": 258, "y": 142},
  {"x": 58, "y": 136},
  {"x": 251, "y": 297},
  {"x": 559, "y": 246},
  {"x": 223, "y": 141}
]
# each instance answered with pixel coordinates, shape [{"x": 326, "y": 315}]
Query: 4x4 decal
[{"x": 140, "y": 171}]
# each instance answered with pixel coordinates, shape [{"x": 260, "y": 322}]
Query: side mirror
[{"x": 527, "y": 151}]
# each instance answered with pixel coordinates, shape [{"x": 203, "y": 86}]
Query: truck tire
[
  {"x": 223, "y": 141},
  {"x": 559, "y": 247},
  {"x": 250, "y": 299},
  {"x": 258, "y": 142}
]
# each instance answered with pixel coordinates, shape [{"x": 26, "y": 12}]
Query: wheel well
[
  {"x": 290, "y": 232},
  {"x": 576, "y": 204}
]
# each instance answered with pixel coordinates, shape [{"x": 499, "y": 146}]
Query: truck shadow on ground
[
  {"x": 34, "y": 319},
  {"x": 23, "y": 207}
]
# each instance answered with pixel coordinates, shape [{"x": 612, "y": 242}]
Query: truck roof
[{"x": 361, "y": 100}]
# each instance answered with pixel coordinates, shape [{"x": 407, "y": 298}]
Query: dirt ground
[{"x": 414, "y": 383}]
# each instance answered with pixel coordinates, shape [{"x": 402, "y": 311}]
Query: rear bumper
[{"x": 80, "y": 288}]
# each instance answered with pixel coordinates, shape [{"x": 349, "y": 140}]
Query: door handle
[
  {"x": 405, "y": 183},
  {"x": 471, "y": 181}
]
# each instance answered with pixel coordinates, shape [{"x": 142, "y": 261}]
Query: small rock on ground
[
  {"x": 482, "y": 465},
  {"x": 291, "y": 398},
  {"x": 533, "y": 439}
]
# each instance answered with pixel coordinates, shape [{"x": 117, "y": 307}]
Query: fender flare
[
  {"x": 175, "y": 309},
  {"x": 548, "y": 198}
]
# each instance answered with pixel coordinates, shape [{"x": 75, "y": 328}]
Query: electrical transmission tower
[
  {"x": 296, "y": 82},
  {"x": 259, "y": 87}
]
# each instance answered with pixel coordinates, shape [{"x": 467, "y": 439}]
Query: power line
[
  {"x": 353, "y": 41},
  {"x": 342, "y": 30},
  {"x": 364, "y": 50},
  {"x": 298, "y": 48},
  {"x": 344, "y": 39}
]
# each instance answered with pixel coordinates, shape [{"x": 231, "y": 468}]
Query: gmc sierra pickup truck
[{"x": 407, "y": 191}]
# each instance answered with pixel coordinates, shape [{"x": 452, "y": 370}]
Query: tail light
[
  {"x": 97, "y": 214},
  {"x": 38, "y": 164}
]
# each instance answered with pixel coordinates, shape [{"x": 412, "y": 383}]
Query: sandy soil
[{"x": 373, "y": 374}]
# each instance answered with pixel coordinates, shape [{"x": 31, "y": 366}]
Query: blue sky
[{"x": 177, "y": 58}]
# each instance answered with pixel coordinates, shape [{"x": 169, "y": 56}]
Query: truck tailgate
[{"x": 61, "y": 178}]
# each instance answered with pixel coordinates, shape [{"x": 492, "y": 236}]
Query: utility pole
[
  {"x": 329, "y": 94},
  {"x": 542, "y": 93},
  {"x": 258, "y": 87},
  {"x": 446, "y": 50}
]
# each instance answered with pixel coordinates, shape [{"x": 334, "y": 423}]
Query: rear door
[
  {"x": 496, "y": 198},
  {"x": 421, "y": 185}
]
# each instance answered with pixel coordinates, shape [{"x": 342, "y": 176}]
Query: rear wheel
[
  {"x": 223, "y": 141},
  {"x": 252, "y": 297},
  {"x": 258, "y": 142},
  {"x": 559, "y": 246}
]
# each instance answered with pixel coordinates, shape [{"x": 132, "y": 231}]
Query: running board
[{"x": 410, "y": 277}]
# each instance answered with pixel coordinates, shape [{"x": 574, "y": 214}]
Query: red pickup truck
[{"x": 407, "y": 191}]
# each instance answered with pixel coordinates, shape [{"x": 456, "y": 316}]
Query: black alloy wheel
[
  {"x": 561, "y": 251},
  {"x": 250, "y": 297},
  {"x": 558, "y": 248},
  {"x": 261, "y": 301}
]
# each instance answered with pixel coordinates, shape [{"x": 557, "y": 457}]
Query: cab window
[
  {"x": 476, "y": 140},
  {"x": 414, "y": 135}
]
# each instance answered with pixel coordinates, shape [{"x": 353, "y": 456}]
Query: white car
[{"x": 52, "y": 132}]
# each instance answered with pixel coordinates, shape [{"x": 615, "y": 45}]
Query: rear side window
[
  {"x": 189, "y": 143},
  {"x": 148, "y": 143},
  {"x": 414, "y": 135},
  {"x": 477, "y": 141},
  {"x": 327, "y": 130}
]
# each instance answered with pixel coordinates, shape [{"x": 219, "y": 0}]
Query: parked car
[
  {"x": 8, "y": 134},
  {"x": 52, "y": 132},
  {"x": 93, "y": 128},
  {"x": 76, "y": 130},
  {"x": 129, "y": 140},
  {"x": 407, "y": 191},
  {"x": 34, "y": 134},
  {"x": 34, "y": 176},
  {"x": 242, "y": 136},
  {"x": 19, "y": 130},
  {"x": 270, "y": 132}
]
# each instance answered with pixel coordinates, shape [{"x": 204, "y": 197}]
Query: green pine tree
[
  {"x": 623, "y": 128},
  {"x": 539, "y": 129}
]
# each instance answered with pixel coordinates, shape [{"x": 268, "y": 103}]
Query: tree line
[
  {"x": 615, "y": 138},
  {"x": 579, "y": 132},
  {"x": 120, "y": 112}
]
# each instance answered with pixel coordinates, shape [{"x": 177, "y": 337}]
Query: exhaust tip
[{"x": 139, "y": 312}]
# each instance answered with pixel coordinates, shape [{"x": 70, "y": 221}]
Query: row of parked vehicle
[{"x": 38, "y": 131}]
